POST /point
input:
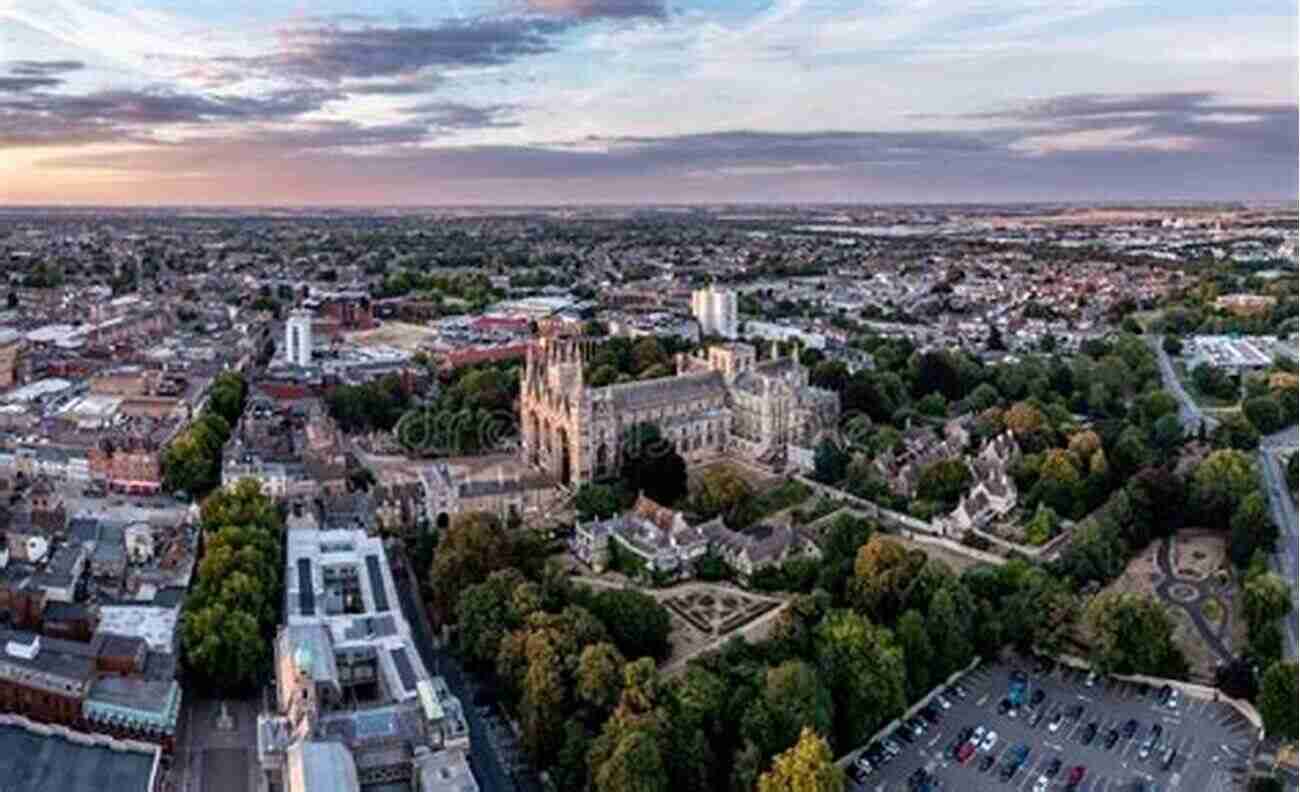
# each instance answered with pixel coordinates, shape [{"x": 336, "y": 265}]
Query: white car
[
  {"x": 990, "y": 740},
  {"x": 943, "y": 702},
  {"x": 1054, "y": 725},
  {"x": 977, "y": 735},
  {"x": 1092, "y": 679},
  {"x": 1041, "y": 784},
  {"x": 1173, "y": 699}
]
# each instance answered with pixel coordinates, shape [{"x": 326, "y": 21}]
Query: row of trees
[
  {"x": 373, "y": 406},
  {"x": 232, "y": 610},
  {"x": 191, "y": 463}
]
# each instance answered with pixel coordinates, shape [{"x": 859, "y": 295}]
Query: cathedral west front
[{"x": 723, "y": 401}]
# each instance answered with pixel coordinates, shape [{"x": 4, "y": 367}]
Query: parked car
[
  {"x": 986, "y": 763},
  {"x": 1076, "y": 775},
  {"x": 1170, "y": 756},
  {"x": 1130, "y": 728},
  {"x": 1172, "y": 701},
  {"x": 1053, "y": 767},
  {"x": 977, "y": 736},
  {"x": 1112, "y": 737},
  {"x": 1076, "y": 712},
  {"x": 943, "y": 702},
  {"x": 1089, "y": 733},
  {"x": 1041, "y": 784},
  {"x": 990, "y": 740},
  {"x": 1038, "y": 718},
  {"x": 965, "y": 752},
  {"x": 1037, "y": 698},
  {"x": 1054, "y": 725}
]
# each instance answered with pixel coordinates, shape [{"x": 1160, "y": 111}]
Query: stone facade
[{"x": 724, "y": 401}]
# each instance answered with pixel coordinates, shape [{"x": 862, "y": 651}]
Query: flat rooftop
[{"x": 35, "y": 762}]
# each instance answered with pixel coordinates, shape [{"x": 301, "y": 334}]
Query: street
[
  {"x": 1285, "y": 557},
  {"x": 483, "y": 757},
  {"x": 1191, "y": 414}
]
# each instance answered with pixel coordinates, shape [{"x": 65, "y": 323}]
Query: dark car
[
  {"x": 1165, "y": 692},
  {"x": 1053, "y": 768},
  {"x": 1076, "y": 775},
  {"x": 1009, "y": 770},
  {"x": 1038, "y": 718},
  {"x": 1075, "y": 713},
  {"x": 905, "y": 734},
  {"x": 965, "y": 732},
  {"x": 1089, "y": 733},
  {"x": 986, "y": 763},
  {"x": 1112, "y": 737},
  {"x": 1130, "y": 728},
  {"x": 1144, "y": 690},
  {"x": 1005, "y": 706},
  {"x": 1037, "y": 698}
]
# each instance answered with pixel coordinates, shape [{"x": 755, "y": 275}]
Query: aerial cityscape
[{"x": 635, "y": 396}]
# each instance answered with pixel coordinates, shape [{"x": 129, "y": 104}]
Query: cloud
[
  {"x": 597, "y": 9},
  {"x": 34, "y": 68},
  {"x": 42, "y": 119},
  {"x": 1185, "y": 121},
  {"x": 335, "y": 53},
  {"x": 446, "y": 115},
  {"x": 29, "y": 75},
  {"x": 20, "y": 84}
]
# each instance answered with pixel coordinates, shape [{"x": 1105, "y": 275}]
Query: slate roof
[{"x": 39, "y": 763}]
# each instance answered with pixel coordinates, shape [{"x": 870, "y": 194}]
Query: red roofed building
[
  {"x": 469, "y": 357},
  {"x": 508, "y": 324}
]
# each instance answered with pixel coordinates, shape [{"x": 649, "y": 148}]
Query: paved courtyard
[{"x": 1213, "y": 741}]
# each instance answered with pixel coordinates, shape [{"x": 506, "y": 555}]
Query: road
[
  {"x": 1189, "y": 411},
  {"x": 1286, "y": 557},
  {"x": 488, "y": 768}
]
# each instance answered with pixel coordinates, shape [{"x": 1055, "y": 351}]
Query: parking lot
[{"x": 1213, "y": 742}]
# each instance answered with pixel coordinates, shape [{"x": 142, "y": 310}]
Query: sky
[{"x": 235, "y": 102}]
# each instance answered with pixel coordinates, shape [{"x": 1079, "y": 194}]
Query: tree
[
  {"x": 944, "y": 481},
  {"x": 651, "y": 465},
  {"x": 881, "y": 574},
  {"x": 1252, "y": 527},
  {"x": 542, "y": 708},
  {"x": 1059, "y": 482},
  {"x": 807, "y": 767},
  {"x": 1220, "y": 481},
  {"x": 864, "y": 671},
  {"x": 599, "y": 679},
  {"x": 830, "y": 462},
  {"x": 1043, "y": 526},
  {"x": 638, "y": 625},
  {"x": 473, "y": 547},
  {"x": 1266, "y": 598},
  {"x": 719, "y": 490},
  {"x": 483, "y": 613},
  {"x": 1132, "y": 634},
  {"x": 1172, "y": 345},
  {"x": 915, "y": 643},
  {"x": 1277, "y": 700},
  {"x": 792, "y": 699},
  {"x": 1167, "y": 433},
  {"x": 1264, "y": 413},
  {"x": 635, "y": 765},
  {"x": 595, "y": 501},
  {"x": 1234, "y": 431}
]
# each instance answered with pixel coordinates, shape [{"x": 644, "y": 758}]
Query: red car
[
  {"x": 1076, "y": 775},
  {"x": 965, "y": 752}
]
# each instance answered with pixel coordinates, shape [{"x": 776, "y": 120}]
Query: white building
[
  {"x": 297, "y": 338},
  {"x": 716, "y": 311}
]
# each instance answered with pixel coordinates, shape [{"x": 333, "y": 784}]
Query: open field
[{"x": 402, "y": 335}]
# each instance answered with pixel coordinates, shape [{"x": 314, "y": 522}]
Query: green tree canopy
[
  {"x": 1278, "y": 693},
  {"x": 807, "y": 767}
]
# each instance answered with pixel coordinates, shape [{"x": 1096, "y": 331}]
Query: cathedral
[{"x": 723, "y": 401}]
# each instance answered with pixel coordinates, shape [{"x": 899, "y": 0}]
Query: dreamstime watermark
[{"x": 434, "y": 432}]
